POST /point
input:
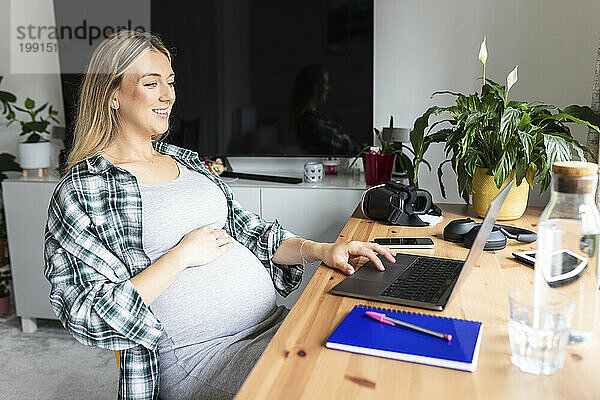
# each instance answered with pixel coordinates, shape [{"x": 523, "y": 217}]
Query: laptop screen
[{"x": 483, "y": 235}]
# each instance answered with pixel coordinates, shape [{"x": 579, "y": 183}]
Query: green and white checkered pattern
[{"x": 93, "y": 246}]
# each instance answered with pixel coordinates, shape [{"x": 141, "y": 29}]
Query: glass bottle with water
[{"x": 567, "y": 246}]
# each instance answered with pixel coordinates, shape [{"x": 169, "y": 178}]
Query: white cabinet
[
  {"x": 26, "y": 209},
  {"x": 313, "y": 212},
  {"x": 317, "y": 214},
  {"x": 248, "y": 197}
]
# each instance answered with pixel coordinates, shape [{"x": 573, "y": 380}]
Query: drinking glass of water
[{"x": 538, "y": 330}]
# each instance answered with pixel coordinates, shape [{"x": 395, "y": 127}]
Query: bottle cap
[
  {"x": 574, "y": 168},
  {"x": 575, "y": 177}
]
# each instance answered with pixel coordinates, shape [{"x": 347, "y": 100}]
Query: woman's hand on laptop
[{"x": 338, "y": 255}]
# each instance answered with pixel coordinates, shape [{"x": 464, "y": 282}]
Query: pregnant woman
[{"x": 148, "y": 253}]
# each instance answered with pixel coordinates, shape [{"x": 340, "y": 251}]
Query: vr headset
[{"x": 398, "y": 204}]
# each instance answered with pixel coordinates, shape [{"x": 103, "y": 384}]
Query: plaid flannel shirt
[{"x": 93, "y": 246}]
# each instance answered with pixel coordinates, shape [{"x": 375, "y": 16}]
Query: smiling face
[{"x": 146, "y": 95}]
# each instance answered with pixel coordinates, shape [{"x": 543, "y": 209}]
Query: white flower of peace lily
[
  {"x": 483, "y": 57},
  {"x": 511, "y": 79},
  {"x": 483, "y": 52}
]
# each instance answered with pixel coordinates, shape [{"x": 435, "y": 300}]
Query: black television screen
[{"x": 265, "y": 77}]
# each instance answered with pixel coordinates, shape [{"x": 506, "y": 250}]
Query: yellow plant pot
[{"x": 484, "y": 191}]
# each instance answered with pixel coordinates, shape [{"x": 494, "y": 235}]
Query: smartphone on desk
[
  {"x": 405, "y": 243},
  {"x": 565, "y": 266}
]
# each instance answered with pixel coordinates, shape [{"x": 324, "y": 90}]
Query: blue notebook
[{"x": 358, "y": 333}]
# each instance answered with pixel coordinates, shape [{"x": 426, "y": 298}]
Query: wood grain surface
[{"x": 296, "y": 364}]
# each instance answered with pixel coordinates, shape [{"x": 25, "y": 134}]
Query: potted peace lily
[
  {"x": 491, "y": 139},
  {"x": 35, "y": 150}
]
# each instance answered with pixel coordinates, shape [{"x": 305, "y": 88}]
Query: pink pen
[{"x": 391, "y": 321}]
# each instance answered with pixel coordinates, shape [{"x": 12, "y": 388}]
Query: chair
[{"x": 118, "y": 359}]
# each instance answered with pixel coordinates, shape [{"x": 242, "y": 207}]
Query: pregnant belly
[{"x": 228, "y": 295}]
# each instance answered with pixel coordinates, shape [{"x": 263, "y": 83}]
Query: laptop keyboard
[{"x": 425, "y": 280}]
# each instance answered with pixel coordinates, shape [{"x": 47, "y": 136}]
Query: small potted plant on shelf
[
  {"x": 378, "y": 161},
  {"x": 491, "y": 139},
  {"x": 35, "y": 150}
]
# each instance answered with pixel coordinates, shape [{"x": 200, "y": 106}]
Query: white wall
[
  {"x": 426, "y": 45},
  {"x": 40, "y": 87}
]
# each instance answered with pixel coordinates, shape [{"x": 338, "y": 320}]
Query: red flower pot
[
  {"x": 4, "y": 302},
  {"x": 378, "y": 168}
]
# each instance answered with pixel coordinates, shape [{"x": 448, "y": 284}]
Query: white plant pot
[{"x": 35, "y": 155}]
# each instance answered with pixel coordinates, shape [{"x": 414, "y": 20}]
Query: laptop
[{"x": 420, "y": 281}]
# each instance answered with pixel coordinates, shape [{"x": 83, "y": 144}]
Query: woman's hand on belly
[{"x": 203, "y": 245}]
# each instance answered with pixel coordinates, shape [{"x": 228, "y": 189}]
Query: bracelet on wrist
[{"x": 301, "y": 255}]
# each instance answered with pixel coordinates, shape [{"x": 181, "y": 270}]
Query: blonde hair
[{"x": 97, "y": 122}]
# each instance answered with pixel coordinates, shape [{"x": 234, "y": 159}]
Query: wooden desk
[{"x": 296, "y": 363}]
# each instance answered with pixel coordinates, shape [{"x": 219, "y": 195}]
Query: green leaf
[
  {"x": 439, "y": 122},
  {"x": 25, "y": 129},
  {"x": 445, "y": 92},
  {"x": 424, "y": 161},
  {"x": 417, "y": 137},
  {"x": 520, "y": 171},
  {"x": 29, "y": 104},
  {"x": 465, "y": 185},
  {"x": 565, "y": 116},
  {"x": 364, "y": 150},
  {"x": 493, "y": 87},
  {"x": 509, "y": 123},
  {"x": 541, "y": 111},
  {"x": 453, "y": 137},
  {"x": 521, "y": 105},
  {"x": 504, "y": 167},
  {"x": 527, "y": 141},
  {"x": 525, "y": 123},
  {"x": 33, "y": 138},
  {"x": 473, "y": 118},
  {"x": 41, "y": 108},
  {"x": 406, "y": 165},
  {"x": 557, "y": 149},
  {"x": 21, "y": 109},
  {"x": 37, "y": 126},
  {"x": 439, "y": 174},
  {"x": 530, "y": 175},
  {"x": 7, "y": 97},
  {"x": 405, "y": 147},
  {"x": 438, "y": 137},
  {"x": 490, "y": 104},
  {"x": 583, "y": 113},
  {"x": 470, "y": 162}
]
